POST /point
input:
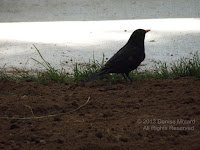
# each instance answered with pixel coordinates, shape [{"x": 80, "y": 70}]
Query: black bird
[{"x": 127, "y": 58}]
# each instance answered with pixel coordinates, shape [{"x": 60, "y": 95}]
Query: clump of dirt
[{"x": 147, "y": 114}]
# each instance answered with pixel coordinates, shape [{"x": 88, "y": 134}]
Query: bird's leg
[
  {"x": 124, "y": 77},
  {"x": 127, "y": 74}
]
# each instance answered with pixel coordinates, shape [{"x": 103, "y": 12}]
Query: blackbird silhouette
[{"x": 127, "y": 58}]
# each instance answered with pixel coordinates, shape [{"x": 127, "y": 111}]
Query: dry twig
[{"x": 48, "y": 116}]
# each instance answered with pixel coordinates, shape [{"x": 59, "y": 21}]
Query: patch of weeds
[
  {"x": 182, "y": 68},
  {"x": 187, "y": 67},
  {"x": 51, "y": 73},
  {"x": 3, "y": 74},
  {"x": 82, "y": 72},
  {"x": 161, "y": 71},
  {"x": 24, "y": 75}
]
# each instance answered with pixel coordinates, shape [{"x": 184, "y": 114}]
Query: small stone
[
  {"x": 152, "y": 41},
  {"x": 42, "y": 141}
]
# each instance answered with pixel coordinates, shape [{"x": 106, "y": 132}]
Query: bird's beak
[{"x": 147, "y": 30}]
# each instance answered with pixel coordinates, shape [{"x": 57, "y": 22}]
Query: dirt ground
[{"x": 147, "y": 114}]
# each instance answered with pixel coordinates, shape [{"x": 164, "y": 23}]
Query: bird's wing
[{"x": 127, "y": 58}]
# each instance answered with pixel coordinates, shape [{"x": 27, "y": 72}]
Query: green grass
[
  {"x": 187, "y": 67},
  {"x": 182, "y": 68},
  {"x": 82, "y": 72}
]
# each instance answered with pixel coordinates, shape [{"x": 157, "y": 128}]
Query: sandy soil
[{"x": 148, "y": 114}]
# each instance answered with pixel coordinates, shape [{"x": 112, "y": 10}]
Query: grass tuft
[
  {"x": 51, "y": 73},
  {"x": 3, "y": 74},
  {"x": 187, "y": 67},
  {"x": 182, "y": 68},
  {"x": 82, "y": 72}
]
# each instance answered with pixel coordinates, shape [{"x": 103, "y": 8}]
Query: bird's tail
[{"x": 96, "y": 75}]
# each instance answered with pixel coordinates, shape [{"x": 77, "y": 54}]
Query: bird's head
[{"x": 138, "y": 36}]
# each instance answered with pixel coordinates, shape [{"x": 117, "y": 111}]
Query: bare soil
[{"x": 144, "y": 114}]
